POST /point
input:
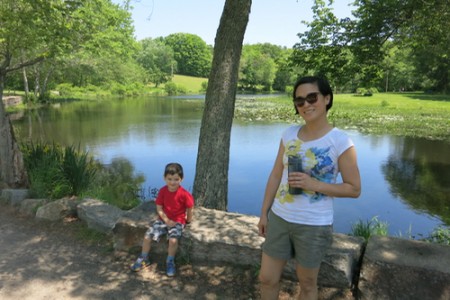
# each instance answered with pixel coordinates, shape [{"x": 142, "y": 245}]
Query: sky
[{"x": 271, "y": 21}]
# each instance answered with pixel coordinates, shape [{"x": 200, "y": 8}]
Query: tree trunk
[
  {"x": 45, "y": 83},
  {"x": 211, "y": 178},
  {"x": 37, "y": 87},
  {"x": 25, "y": 83},
  {"x": 12, "y": 169}
]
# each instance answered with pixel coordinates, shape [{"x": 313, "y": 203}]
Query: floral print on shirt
[{"x": 316, "y": 162}]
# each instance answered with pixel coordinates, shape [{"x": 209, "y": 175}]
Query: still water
[{"x": 405, "y": 181}]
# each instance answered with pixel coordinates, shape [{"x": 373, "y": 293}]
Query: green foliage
[
  {"x": 170, "y": 88},
  {"x": 56, "y": 172},
  {"x": 78, "y": 168},
  {"x": 193, "y": 55},
  {"x": 369, "y": 228},
  {"x": 257, "y": 68},
  {"x": 204, "y": 86},
  {"x": 440, "y": 235},
  {"x": 157, "y": 59},
  {"x": 117, "y": 184}
]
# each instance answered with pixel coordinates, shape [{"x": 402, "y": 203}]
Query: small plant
[
  {"x": 369, "y": 228},
  {"x": 440, "y": 235}
]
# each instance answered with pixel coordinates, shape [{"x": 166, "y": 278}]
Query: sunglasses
[{"x": 311, "y": 98}]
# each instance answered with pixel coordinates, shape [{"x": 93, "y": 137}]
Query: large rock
[
  {"x": 58, "y": 209},
  {"x": 130, "y": 228},
  {"x": 395, "y": 268},
  {"x": 226, "y": 237},
  {"x": 13, "y": 197},
  {"x": 30, "y": 206},
  {"x": 99, "y": 215}
]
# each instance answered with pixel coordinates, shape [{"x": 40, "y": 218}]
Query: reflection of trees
[
  {"x": 423, "y": 185},
  {"x": 85, "y": 122}
]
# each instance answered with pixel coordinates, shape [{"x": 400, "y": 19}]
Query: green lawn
[{"x": 192, "y": 84}]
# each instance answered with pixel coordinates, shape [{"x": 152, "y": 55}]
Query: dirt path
[{"x": 42, "y": 260}]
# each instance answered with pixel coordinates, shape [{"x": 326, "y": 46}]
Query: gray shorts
[
  {"x": 159, "y": 228},
  {"x": 306, "y": 243}
]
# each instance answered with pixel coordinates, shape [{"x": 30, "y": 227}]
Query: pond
[{"x": 405, "y": 181}]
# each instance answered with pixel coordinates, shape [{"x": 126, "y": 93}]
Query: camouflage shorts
[{"x": 159, "y": 228}]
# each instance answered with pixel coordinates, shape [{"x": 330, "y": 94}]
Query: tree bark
[
  {"x": 211, "y": 178},
  {"x": 12, "y": 169}
]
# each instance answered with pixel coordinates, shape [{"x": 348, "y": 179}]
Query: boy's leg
[
  {"x": 142, "y": 261},
  {"x": 174, "y": 234},
  {"x": 146, "y": 246},
  {"x": 173, "y": 247}
]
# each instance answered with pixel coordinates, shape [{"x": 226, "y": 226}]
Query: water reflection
[
  {"x": 419, "y": 175},
  {"x": 405, "y": 181}
]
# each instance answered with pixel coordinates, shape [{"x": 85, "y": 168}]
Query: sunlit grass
[
  {"x": 375, "y": 227},
  {"x": 369, "y": 228},
  {"x": 192, "y": 84}
]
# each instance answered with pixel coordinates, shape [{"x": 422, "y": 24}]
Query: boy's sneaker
[
  {"x": 170, "y": 268},
  {"x": 140, "y": 264}
]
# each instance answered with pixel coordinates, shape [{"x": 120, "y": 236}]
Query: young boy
[{"x": 175, "y": 207}]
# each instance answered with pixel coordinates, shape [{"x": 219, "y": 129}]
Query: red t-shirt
[{"x": 174, "y": 204}]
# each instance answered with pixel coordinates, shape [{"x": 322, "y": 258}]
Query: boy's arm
[
  {"x": 162, "y": 215},
  {"x": 189, "y": 215}
]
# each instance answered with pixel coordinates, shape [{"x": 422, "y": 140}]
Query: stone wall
[{"x": 388, "y": 268}]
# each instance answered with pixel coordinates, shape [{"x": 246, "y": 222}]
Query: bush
[
  {"x": 204, "y": 86},
  {"x": 181, "y": 89},
  {"x": 117, "y": 185},
  {"x": 64, "y": 89},
  {"x": 440, "y": 236},
  {"x": 56, "y": 172},
  {"x": 170, "y": 88},
  {"x": 78, "y": 169}
]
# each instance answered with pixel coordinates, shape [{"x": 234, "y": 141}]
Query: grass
[
  {"x": 440, "y": 235},
  {"x": 193, "y": 85},
  {"x": 369, "y": 228}
]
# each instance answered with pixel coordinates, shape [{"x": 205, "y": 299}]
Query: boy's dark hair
[
  {"x": 323, "y": 85},
  {"x": 174, "y": 168}
]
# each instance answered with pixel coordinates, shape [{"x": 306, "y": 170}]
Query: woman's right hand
[{"x": 262, "y": 225}]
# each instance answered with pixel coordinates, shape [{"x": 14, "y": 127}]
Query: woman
[{"x": 299, "y": 225}]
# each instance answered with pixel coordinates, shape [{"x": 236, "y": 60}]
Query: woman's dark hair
[
  {"x": 174, "y": 168},
  {"x": 322, "y": 84}
]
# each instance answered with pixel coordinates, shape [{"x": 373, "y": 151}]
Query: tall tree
[
  {"x": 323, "y": 49},
  {"x": 26, "y": 28},
  {"x": 257, "y": 68},
  {"x": 211, "y": 177},
  {"x": 419, "y": 25},
  {"x": 192, "y": 54},
  {"x": 157, "y": 60},
  {"x": 33, "y": 31}
]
